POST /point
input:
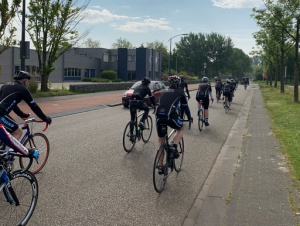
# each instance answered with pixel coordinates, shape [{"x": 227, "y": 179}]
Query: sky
[{"x": 145, "y": 21}]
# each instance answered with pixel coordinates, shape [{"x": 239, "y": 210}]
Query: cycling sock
[{"x": 206, "y": 120}]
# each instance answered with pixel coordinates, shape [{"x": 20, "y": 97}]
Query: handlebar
[{"x": 30, "y": 120}]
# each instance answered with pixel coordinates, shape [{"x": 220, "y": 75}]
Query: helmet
[
  {"x": 218, "y": 79},
  {"x": 204, "y": 80},
  {"x": 227, "y": 80},
  {"x": 182, "y": 77},
  {"x": 174, "y": 80},
  {"x": 22, "y": 75},
  {"x": 145, "y": 81},
  {"x": 232, "y": 80}
]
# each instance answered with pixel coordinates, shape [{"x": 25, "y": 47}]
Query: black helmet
[
  {"x": 182, "y": 77},
  {"x": 145, "y": 81},
  {"x": 174, "y": 80},
  {"x": 205, "y": 80},
  {"x": 22, "y": 75}
]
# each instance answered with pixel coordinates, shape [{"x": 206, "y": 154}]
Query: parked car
[{"x": 155, "y": 86}]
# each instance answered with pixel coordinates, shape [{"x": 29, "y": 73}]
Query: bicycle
[
  {"x": 164, "y": 160},
  {"x": 33, "y": 140},
  {"x": 201, "y": 117},
  {"x": 219, "y": 95},
  {"x": 20, "y": 192},
  {"x": 226, "y": 104},
  {"x": 137, "y": 133},
  {"x": 245, "y": 86}
]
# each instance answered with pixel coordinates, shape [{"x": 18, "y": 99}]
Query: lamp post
[
  {"x": 22, "y": 49},
  {"x": 204, "y": 66},
  {"x": 169, "y": 66}
]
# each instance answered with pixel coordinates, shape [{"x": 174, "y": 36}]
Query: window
[
  {"x": 72, "y": 72},
  {"x": 105, "y": 57},
  {"x": 114, "y": 58},
  {"x": 130, "y": 58},
  {"x": 89, "y": 73}
]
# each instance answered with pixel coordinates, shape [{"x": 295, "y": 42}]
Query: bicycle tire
[
  {"x": 146, "y": 133},
  {"x": 27, "y": 195},
  {"x": 179, "y": 161},
  {"x": 41, "y": 142},
  {"x": 159, "y": 180},
  {"x": 127, "y": 144},
  {"x": 201, "y": 119}
]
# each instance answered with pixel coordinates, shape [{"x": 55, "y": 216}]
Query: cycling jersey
[
  {"x": 183, "y": 85},
  {"x": 219, "y": 85},
  {"x": 204, "y": 90}
]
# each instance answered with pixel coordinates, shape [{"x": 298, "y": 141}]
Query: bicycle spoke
[
  {"x": 160, "y": 171},
  {"x": 146, "y": 133},
  {"x": 128, "y": 140}
]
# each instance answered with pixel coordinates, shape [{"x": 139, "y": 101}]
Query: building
[{"x": 78, "y": 63}]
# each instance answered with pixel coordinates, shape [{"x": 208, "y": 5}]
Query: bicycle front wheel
[
  {"x": 179, "y": 161},
  {"x": 41, "y": 142},
  {"x": 146, "y": 133},
  {"x": 24, "y": 189},
  {"x": 201, "y": 119},
  {"x": 129, "y": 139},
  {"x": 160, "y": 170}
]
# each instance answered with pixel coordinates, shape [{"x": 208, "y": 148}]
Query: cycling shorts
[
  {"x": 229, "y": 96},
  {"x": 205, "y": 101},
  {"x": 174, "y": 123},
  {"x": 9, "y": 124}
]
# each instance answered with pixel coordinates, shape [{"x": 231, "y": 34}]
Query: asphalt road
[{"x": 90, "y": 180}]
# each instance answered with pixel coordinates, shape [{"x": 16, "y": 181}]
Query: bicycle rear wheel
[
  {"x": 201, "y": 119},
  {"x": 127, "y": 143},
  {"x": 41, "y": 142},
  {"x": 25, "y": 187},
  {"x": 160, "y": 170},
  {"x": 146, "y": 133},
  {"x": 179, "y": 161}
]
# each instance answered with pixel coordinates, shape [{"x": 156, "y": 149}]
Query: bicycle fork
[{"x": 11, "y": 195}]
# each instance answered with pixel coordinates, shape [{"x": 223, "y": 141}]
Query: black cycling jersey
[
  {"x": 203, "y": 90},
  {"x": 183, "y": 85},
  {"x": 169, "y": 103},
  {"x": 141, "y": 91},
  {"x": 219, "y": 85},
  {"x": 13, "y": 93},
  {"x": 227, "y": 89}
]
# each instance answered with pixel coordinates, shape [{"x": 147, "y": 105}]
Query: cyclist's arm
[
  {"x": 19, "y": 112},
  {"x": 152, "y": 99},
  {"x": 187, "y": 90},
  {"x": 12, "y": 142},
  {"x": 210, "y": 92},
  {"x": 185, "y": 106}
]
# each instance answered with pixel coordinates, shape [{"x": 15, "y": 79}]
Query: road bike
[
  {"x": 164, "y": 161},
  {"x": 18, "y": 191},
  {"x": 218, "y": 95},
  {"x": 130, "y": 138},
  {"x": 226, "y": 104},
  {"x": 245, "y": 86},
  {"x": 33, "y": 140},
  {"x": 201, "y": 117}
]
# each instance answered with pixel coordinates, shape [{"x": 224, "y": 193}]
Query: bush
[
  {"x": 117, "y": 80},
  {"x": 109, "y": 74},
  {"x": 33, "y": 85},
  {"x": 95, "y": 80}
]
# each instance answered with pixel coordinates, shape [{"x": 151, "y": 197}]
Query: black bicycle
[
  {"x": 164, "y": 163},
  {"x": 130, "y": 138},
  {"x": 19, "y": 192},
  {"x": 201, "y": 117},
  {"x": 226, "y": 104}
]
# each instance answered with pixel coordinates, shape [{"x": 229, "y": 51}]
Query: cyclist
[
  {"x": 218, "y": 87},
  {"x": 167, "y": 113},
  {"x": 227, "y": 92},
  {"x": 137, "y": 101},
  {"x": 183, "y": 85},
  {"x": 233, "y": 87},
  {"x": 13, "y": 93},
  {"x": 203, "y": 93}
]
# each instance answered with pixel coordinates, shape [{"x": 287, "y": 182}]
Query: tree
[
  {"x": 238, "y": 63},
  {"x": 122, "y": 43},
  {"x": 160, "y": 47},
  {"x": 7, "y": 31},
  {"x": 90, "y": 43},
  {"x": 52, "y": 28}
]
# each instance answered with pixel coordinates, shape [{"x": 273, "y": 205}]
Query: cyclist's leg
[
  {"x": 176, "y": 123},
  {"x": 161, "y": 137},
  {"x": 132, "y": 117},
  {"x": 11, "y": 126},
  {"x": 145, "y": 108},
  {"x": 205, "y": 106}
]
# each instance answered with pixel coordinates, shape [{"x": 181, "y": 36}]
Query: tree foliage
[
  {"x": 52, "y": 28},
  {"x": 122, "y": 43},
  {"x": 8, "y": 11},
  {"x": 90, "y": 43}
]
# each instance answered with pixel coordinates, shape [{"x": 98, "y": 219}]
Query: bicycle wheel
[
  {"x": 179, "y": 161},
  {"x": 41, "y": 142},
  {"x": 160, "y": 170},
  {"x": 25, "y": 187},
  {"x": 201, "y": 119},
  {"x": 146, "y": 133},
  {"x": 127, "y": 143}
]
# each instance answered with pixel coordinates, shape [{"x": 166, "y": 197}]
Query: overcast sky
[{"x": 142, "y": 21}]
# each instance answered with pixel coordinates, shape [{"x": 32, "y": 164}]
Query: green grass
[
  {"x": 285, "y": 116},
  {"x": 53, "y": 92}
]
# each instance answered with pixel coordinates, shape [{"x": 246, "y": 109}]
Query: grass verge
[
  {"x": 285, "y": 116},
  {"x": 53, "y": 92}
]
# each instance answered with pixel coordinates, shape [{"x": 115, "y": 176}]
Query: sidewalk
[{"x": 249, "y": 183}]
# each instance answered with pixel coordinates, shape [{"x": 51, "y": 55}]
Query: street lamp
[
  {"x": 169, "y": 66},
  {"x": 22, "y": 50},
  {"x": 204, "y": 66}
]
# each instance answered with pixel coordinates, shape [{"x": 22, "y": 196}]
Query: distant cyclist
[
  {"x": 227, "y": 92},
  {"x": 218, "y": 87},
  {"x": 137, "y": 101},
  {"x": 167, "y": 113},
  {"x": 183, "y": 85},
  {"x": 233, "y": 86},
  {"x": 203, "y": 93},
  {"x": 13, "y": 93}
]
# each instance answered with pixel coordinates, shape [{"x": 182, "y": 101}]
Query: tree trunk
[
  {"x": 276, "y": 76},
  {"x": 271, "y": 72},
  {"x": 282, "y": 64},
  {"x": 296, "y": 65},
  {"x": 44, "y": 82}
]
